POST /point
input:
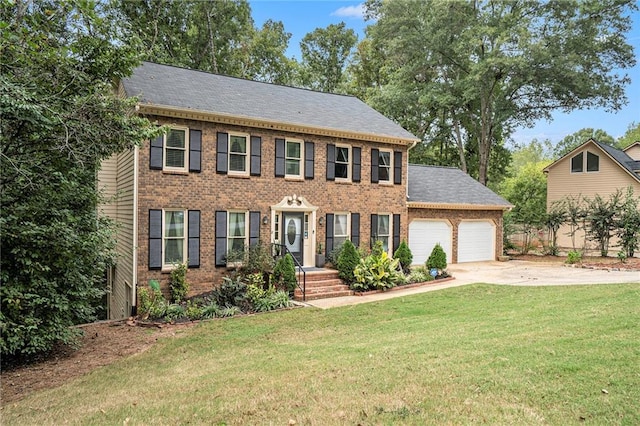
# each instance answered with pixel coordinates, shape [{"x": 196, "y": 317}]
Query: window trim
[
  {"x": 185, "y": 239},
  {"x": 390, "y": 166},
  {"x": 349, "y": 163},
  {"x": 581, "y": 163},
  {"x": 247, "y": 154},
  {"x": 185, "y": 168},
  {"x": 246, "y": 229},
  {"x": 389, "y": 236},
  {"x": 587, "y": 162},
  {"x": 347, "y": 236},
  {"x": 301, "y": 159}
]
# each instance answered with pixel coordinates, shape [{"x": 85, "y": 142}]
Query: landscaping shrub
[
  {"x": 573, "y": 257},
  {"x": 332, "y": 256},
  {"x": 404, "y": 255},
  {"x": 267, "y": 300},
  {"x": 377, "y": 271},
  {"x": 178, "y": 285},
  {"x": 284, "y": 274},
  {"x": 231, "y": 292},
  {"x": 437, "y": 259},
  {"x": 348, "y": 259},
  {"x": 419, "y": 275},
  {"x": 152, "y": 302}
]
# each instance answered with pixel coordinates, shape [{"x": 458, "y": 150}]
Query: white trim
[
  {"x": 246, "y": 227},
  {"x": 247, "y": 159},
  {"x": 185, "y": 232},
  {"x": 300, "y": 174},
  {"x": 185, "y": 168},
  {"x": 349, "y": 163},
  {"x": 390, "y": 235},
  {"x": 347, "y": 225},
  {"x": 391, "y": 166}
]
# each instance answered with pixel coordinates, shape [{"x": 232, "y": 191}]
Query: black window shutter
[
  {"x": 193, "y": 245},
  {"x": 355, "y": 229},
  {"x": 329, "y": 236},
  {"x": 254, "y": 228},
  {"x": 374, "y": 229},
  {"x": 355, "y": 173},
  {"x": 221, "y": 238},
  {"x": 309, "y": 157},
  {"x": 331, "y": 162},
  {"x": 155, "y": 239},
  {"x": 375, "y": 158},
  {"x": 279, "y": 157},
  {"x": 396, "y": 232},
  {"x": 397, "y": 167},
  {"x": 256, "y": 154},
  {"x": 155, "y": 153},
  {"x": 195, "y": 150},
  {"x": 222, "y": 150}
]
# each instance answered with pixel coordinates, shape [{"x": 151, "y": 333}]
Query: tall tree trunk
[{"x": 460, "y": 145}]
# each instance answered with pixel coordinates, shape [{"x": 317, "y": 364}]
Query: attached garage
[
  {"x": 476, "y": 241},
  {"x": 448, "y": 206},
  {"x": 425, "y": 234}
]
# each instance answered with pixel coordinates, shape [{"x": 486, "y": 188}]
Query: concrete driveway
[{"x": 513, "y": 272}]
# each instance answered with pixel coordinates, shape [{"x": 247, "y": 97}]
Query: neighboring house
[
  {"x": 447, "y": 206},
  {"x": 590, "y": 169},
  {"x": 246, "y": 162}
]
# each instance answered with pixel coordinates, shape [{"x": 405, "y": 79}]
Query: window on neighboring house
[
  {"x": 342, "y": 162},
  {"x": 576, "y": 163},
  {"x": 383, "y": 231},
  {"x": 593, "y": 162},
  {"x": 385, "y": 169},
  {"x": 340, "y": 229},
  {"x": 293, "y": 158},
  {"x": 174, "y": 242},
  {"x": 238, "y": 154},
  {"x": 237, "y": 231}
]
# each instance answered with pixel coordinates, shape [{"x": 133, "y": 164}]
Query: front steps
[{"x": 322, "y": 284}]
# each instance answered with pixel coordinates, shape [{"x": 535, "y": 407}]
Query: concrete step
[{"x": 323, "y": 295}]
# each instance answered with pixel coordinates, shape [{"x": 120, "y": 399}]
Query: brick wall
[
  {"x": 208, "y": 191},
  {"x": 455, "y": 217}
]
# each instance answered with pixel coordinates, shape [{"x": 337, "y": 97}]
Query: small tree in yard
[
  {"x": 553, "y": 220},
  {"x": 347, "y": 262},
  {"x": 437, "y": 259},
  {"x": 628, "y": 224},
  {"x": 404, "y": 255},
  {"x": 178, "y": 285},
  {"x": 284, "y": 273},
  {"x": 600, "y": 220}
]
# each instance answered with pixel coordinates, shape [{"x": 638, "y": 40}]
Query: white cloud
[{"x": 356, "y": 11}]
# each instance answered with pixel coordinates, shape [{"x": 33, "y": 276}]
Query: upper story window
[
  {"x": 593, "y": 162},
  {"x": 343, "y": 169},
  {"x": 238, "y": 154},
  {"x": 293, "y": 158},
  {"x": 385, "y": 169},
  {"x": 176, "y": 151},
  {"x": 576, "y": 163},
  {"x": 176, "y": 143}
]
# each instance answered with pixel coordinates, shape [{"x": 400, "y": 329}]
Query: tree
[
  {"x": 534, "y": 152},
  {"x": 476, "y": 70},
  {"x": 628, "y": 223},
  {"x": 600, "y": 220},
  {"x": 267, "y": 59},
  {"x": 631, "y": 135},
  {"x": 60, "y": 118},
  {"x": 325, "y": 52},
  {"x": 574, "y": 140}
]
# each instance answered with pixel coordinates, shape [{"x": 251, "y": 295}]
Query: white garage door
[
  {"x": 423, "y": 236},
  {"x": 476, "y": 241}
]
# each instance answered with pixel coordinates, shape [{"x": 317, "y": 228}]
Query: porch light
[
  {"x": 265, "y": 219},
  {"x": 321, "y": 221}
]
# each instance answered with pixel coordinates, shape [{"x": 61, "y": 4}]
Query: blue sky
[{"x": 303, "y": 16}]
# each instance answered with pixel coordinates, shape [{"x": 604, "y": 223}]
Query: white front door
[{"x": 292, "y": 223}]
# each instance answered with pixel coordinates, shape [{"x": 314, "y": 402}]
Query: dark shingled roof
[
  {"x": 448, "y": 185},
  {"x": 165, "y": 85},
  {"x": 621, "y": 157}
]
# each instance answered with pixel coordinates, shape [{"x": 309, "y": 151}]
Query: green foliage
[
  {"x": 574, "y": 140},
  {"x": 377, "y": 271},
  {"x": 419, "y": 275},
  {"x": 152, "y": 303},
  {"x": 622, "y": 256},
  {"x": 267, "y": 300},
  {"x": 628, "y": 224},
  {"x": 556, "y": 217},
  {"x": 60, "y": 118},
  {"x": 631, "y": 135},
  {"x": 404, "y": 255},
  {"x": 174, "y": 312},
  {"x": 437, "y": 259},
  {"x": 574, "y": 257},
  {"x": 600, "y": 219},
  {"x": 284, "y": 273},
  {"x": 231, "y": 292},
  {"x": 333, "y": 255},
  {"x": 178, "y": 285},
  {"x": 348, "y": 259}
]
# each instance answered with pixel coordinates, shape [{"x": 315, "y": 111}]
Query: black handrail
[{"x": 281, "y": 250}]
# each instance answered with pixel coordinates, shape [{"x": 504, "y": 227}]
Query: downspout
[
  {"x": 408, "y": 149},
  {"x": 134, "y": 306}
]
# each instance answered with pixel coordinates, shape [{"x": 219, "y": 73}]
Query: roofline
[
  {"x": 594, "y": 142},
  {"x": 452, "y": 206},
  {"x": 631, "y": 146},
  {"x": 200, "y": 115}
]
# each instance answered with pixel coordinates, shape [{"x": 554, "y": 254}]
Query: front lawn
[{"x": 473, "y": 354}]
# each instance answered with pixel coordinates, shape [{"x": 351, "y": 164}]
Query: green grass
[{"x": 474, "y": 354}]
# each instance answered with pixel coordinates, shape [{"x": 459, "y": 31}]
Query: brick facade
[{"x": 209, "y": 191}]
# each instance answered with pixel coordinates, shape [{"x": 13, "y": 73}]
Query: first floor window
[
  {"x": 237, "y": 231},
  {"x": 174, "y": 241},
  {"x": 340, "y": 229},
  {"x": 238, "y": 154},
  {"x": 175, "y": 149},
  {"x": 383, "y": 231}
]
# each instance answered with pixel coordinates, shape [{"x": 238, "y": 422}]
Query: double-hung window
[
  {"x": 237, "y": 231},
  {"x": 293, "y": 158},
  {"x": 340, "y": 228},
  {"x": 383, "y": 231},
  {"x": 176, "y": 148},
  {"x": 343, "y": 163},
  {"x": 174, "y": 242},
  {"x": 385, "y": 168},
  {"x": 238, "y": 154}
]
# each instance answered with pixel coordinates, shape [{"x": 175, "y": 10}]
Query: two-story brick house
[{"x": 244, "y": 162}]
